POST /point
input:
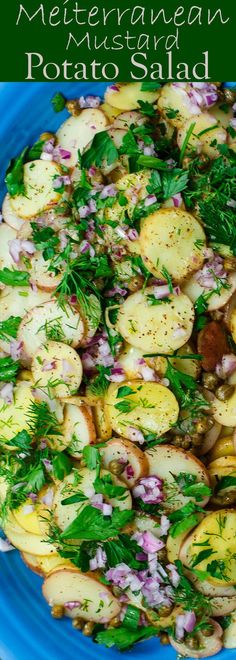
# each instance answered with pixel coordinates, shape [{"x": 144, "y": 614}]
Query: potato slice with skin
[
  {"x": 223, "y": 462},
  {"x": 119, "y": 449},
  {"x": 76, "y": 132},
  {"x": 222, "y": 606},
  {"x": 39, "y": 192},
  {"x": 202, "y": 142},
  {"x": 16, "y": 301},
  {"x": 27, "y": 519},
  {"x": 127, "y": 96},
  {"x": 155, "y": 328},
  {"x": 218, "y": 528},
  {"x": 97, "y": 603},
  {"x": 229, "y": 636},
  {"x": 7, "y": 234},
  {"x": 208, "y": 645},
  {"x": 83, "y": 480},
  {"x": 9, "y": 216},
  {"x": 26, "y": 541},
  {"x": 102, "y": 421},
  {"x": 41, "y": 276},
  {"x": 193, "y": 290},
  {"x": 175, "y": 98},
  {"x": 45, "y": 564},
  {"x": 57, "y": 362},
  {"x": 166, "y": 461},
  {"x": 78, "y": 428},
  {"x": 173, "y": 544},
  {"x": 168, "y": 240},
  {"x": 152, "y": 408},
  {"x": 224, "y": 412},
  {"x": 14, "y": 416},
  {"x": 43, "y": 321},
  {"x": 110, "y": 112},
  {"x": 32, "y": 562},
  {"x": 208, "y": 589}
]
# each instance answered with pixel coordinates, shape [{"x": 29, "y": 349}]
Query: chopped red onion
[
  {"x": 233, "y": 123},
  {"x": 89, "y": 101},
  {"x": 164, "y": 526},
  {"x": 177, "y": 200},
  {"x": 48, "y": 497},
  {"x": 147, "y": 373},
  {"x": 132, "y": 234},
  {"x": 92, "y": 171},
  {"x": 47, "y": 464},
  {"x": 150, "y": 199},
  {"x": 174, "y": 575},
  {"x": 5, "y": 545},
  {"x": 73, "y": 299},
  {"x": 121, "y": 231},
  {"x": 211, "y": 269},
  {"x": 227, "y": 366},
  {"x": 86, "y": 247},
  {"x": 114, "y": 88},
  {"x": 71, "y": 604},
  {"x": 65, "y": 154},
  {"x": 60, "y": 181},
  {"x": 148, "y": 542},
  {"x": 18, "y": 246},
  {"x": 48, "y": 366},
  {"x": 28, "y": 508},
  {"x": 135, "y": 435},
  {"x": 116, "y": 289},
  {"x": 108, "y": 191},
  {"x": 16, "y": 349},
  {"x": 99, "y": 560},
  {"x": 149, "y": 150},
  {"x": 33, "y": 497},
  {"x": 149, "y": 489},
  {"x": 184, "y": 622},
  {"x": 124, "y": 577},
  {"x": 6, "y": 393},
  {"x": 46, "y": 156}
]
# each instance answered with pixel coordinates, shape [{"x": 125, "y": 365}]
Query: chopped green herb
[{"x": 58, "y": 102}]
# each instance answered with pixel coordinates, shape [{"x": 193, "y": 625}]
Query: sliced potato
[
  {"x": 78, "y": 428},
  {"x": 7, "y": 234},
  {"x": 129, "y": 361},
  {"x": 223, "y": 117},
  {"x": 110, "y": 112},
  {"x": 57, "y": 366},
  {"x": 190, "y": 367},
  {"x": 173, "y": 544},
  {"x": 45, "y": 564},
  {"x": 208, "y": 589},
  {"x": 193, "y": 290},
  {"x": 26, "y": 541},
  {"x": 127, "y": 96},
  {"x": 96, "y": 601},
  {"x": 229, "y": 636},
  {"x": 47, "y": 321},
  {"x": 32, "y": 562},
  {"x": 40, "y": 275},
  {"x": 27, "y": 519},
  {"x": 200, "y": 141},
  {"x": 9, "y": 216},
  {"x": 208, "y": 645},
  {"x": 168, "y": 240},
  {"x": 218, "y": 530},
  {"x": 159, "y": 328},
  {"x": 76, "y": 132},
  {"x": 166, "y": 461},
  {"x": 39, "y": 192},
  {"x": 91, "y": 323},
  {"x": 173, "y": 97},
  {"x": 224, "y": 412},
  {"x": 222, "y": 606},
  {"x": 123, "y": 451},
  {"x": 14, "y": 416},
  {"x": 127, "y": 119},
  {"x": 83, "y": 480},
  {"x": 16, "y": 301},
  {"x": 152, "y": 408},
  {"x": 224, "y": 462},
  {"x": 102, "y": 421}
]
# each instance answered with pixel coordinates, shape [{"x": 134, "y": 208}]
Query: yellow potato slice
[
  {"x": 134, "y": 459},
  {"x": 57, "y": 366},
  {"x": 39, "y": 192},
  {"x": 76, "y": 132},
  {"x": 82, "y": 480},
  {"x": 224, "y": 462},
  {"x": 224, "y": 412},
  {"x": 168, "y": 240},
  {"x": 193, "y": 290},
  {"x": 14, "y": 416},
  {"x": 173, "y": 545},
  {"x": 127, "y": 96},
  {"x": 189, "y": 367},
  {"x": 222, "y": 118},
  {"x": 66, "y": 585},
  {"x": 129, "y": 360},
  {"x": 102, "y": 421},
  {"x": 166, "y": 461},
  {"x": 16, "y": 301},
  {"x": 153, "y": 408},
  {"x": 110, "y": 112},
  {"x": 28, "y": 520},
  {"x": 218, "y": 530},
  {"x": 229, "y": 636},
  {"x": 26, "y": 541},
  {"x": 199, "y": 141},
  {"x": 159, "y": 328},
  {"x": 78, "y": 428},
  {"x": 49, "y": 320},
  {"x": 175, "y": 98},
  {"x": 45, "y": 564},
  {"x": 41, "y": 276},
  {"x": 9, "y": 216}
]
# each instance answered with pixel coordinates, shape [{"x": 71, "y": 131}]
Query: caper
[
  {"x": 116, "y": 467},
  {"x": 183, "y": 441},
  {"x": 78, "y": 623},
  {"x": 224, "y": 392},
  {"x": 210, "y": 381},
  {"x": 229, "y": 95},
  {"x": 196, "y": 439},
  {"x": 208, "y": 630},
  {"x": 57, "y": 611},
  {"x": 88, "y": 629},
  {"x": 201, "y": 426},
  {"x": 73, "y": 107},
  {"x": 164, "y": 638},
  {"x": 135, "y": 283},
  {"x": 162, "y": 555},
  {"x": 114, "y": 622},
  {"x": 117, "y": 591},
  {"x": 193, "y": 642},
  {"x": 229, "y": 498},
  {"x": 230, "y": 264}
]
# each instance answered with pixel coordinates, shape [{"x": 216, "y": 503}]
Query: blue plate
[{"x": 27, "y": 631}]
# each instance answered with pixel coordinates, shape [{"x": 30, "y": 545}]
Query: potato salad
[{"x": 118, "y": 365}]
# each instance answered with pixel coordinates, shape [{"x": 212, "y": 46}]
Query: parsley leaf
[
  {"x": 58, "y": 102},
  {"x": 35, "y": 151},
  {"x": 22, "y": 441},
  {"x": 102, "y": 149},
  {"x": 62, "y": 465},
  {"x": 106, "y": 487},
  {"x": 14, "y": 277},
  {"x": 91, "y": 457},
  {"x": 173, "y": 182},
  {"x": 225, "y": 482},
  {"x": 129, "y": 145},
  {"x": 124, "y": 390},
  {"x": 15, "y": 175},
  {"x": 8, "y": 369},
  {"x": 100, "y": 383},
  {"x": 9, "y": 328},
  {"x": 150, "y": 86},
  {"x": 146, "y": 108},
  {"x": 45, "y": 239},
  {"x": 201, "y": 556},
  {"x": 91, "y": 525}
]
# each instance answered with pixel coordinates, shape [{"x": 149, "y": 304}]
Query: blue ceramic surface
[{"x": 27, "y": 632}]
